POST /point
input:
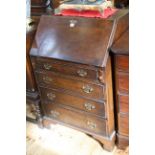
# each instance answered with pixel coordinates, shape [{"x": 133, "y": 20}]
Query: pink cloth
[{"x": 88, "y": 13}]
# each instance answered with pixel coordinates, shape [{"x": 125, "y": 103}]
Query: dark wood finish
[
  {"x": 77, "y": 118},
  {"x": 109, "y": 141},
  {"x": 87, "y": 31},
  {"x": 51, "y": 96},
  {"x": 121, "y": 80},
  {"x": 84, "y": 72},
  {"x": 89, "y": 90},
  {"x": 61, "y": 47},
  {"x": 53, "y": 49}
]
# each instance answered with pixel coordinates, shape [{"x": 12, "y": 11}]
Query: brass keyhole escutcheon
[{"x": 72, "y": 23}]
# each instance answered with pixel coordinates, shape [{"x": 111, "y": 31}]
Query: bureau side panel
[{"x": 109, "y": 94}]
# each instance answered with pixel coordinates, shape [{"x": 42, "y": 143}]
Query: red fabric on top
[{"x": 89, "y": 13}]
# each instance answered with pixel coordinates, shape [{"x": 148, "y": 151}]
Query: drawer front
[
  {"x": 93, "y": 91},
  {"x": 78, "y": 119},
  {"x": 123, "y": 124},
  {"x": 123, "y": 82},
  {"x": 123, "y": 103},
  {"x": 71, "y": 69},
  {"x": 122, "y": 62},
  {"x": 50, "y": 96}
]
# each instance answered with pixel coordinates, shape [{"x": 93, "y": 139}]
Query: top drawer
[
  {"x": 122, "y": 62},
  {"x": 80, "y": 71}
]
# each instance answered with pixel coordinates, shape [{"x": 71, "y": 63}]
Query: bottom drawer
[
  {"x": 123, "y": 125},
  {"x": 76, "y": 118}
]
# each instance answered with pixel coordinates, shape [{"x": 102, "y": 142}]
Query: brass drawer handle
[
  {"x": 87, "y": 89},
  {"x": 55, "y": 114},
  {"x": 51, "y": 96},
  {"x": 82, "y": 73},
  {"x": 47, "y": 66},
  {"x": 47, "y": 79},
  {"x": 89, "y": 106},
  {"x": 91, "y": 125}
]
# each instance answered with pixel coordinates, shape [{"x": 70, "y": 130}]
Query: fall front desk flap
[{"x": 74, "y": 39}]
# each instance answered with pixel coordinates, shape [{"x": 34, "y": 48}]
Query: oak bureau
[{"x": 72, "y": 68}]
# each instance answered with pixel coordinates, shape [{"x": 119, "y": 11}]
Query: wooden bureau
[
  {"x": 120, "y": 52},
  {"x": 72, "y": 67},
  {"x": 73, "y": 72}
]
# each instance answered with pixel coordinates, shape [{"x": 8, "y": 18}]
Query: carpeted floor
[{"x": 60, "y": 140}]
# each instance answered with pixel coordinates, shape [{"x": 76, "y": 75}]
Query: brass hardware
[
  {"x": 89, "y": 106},
  {"x": 51, "y": 96},
  {"x": 72, "y": 23},
  {"x": 47, "y": 66},
  {"x": 87, "y": 89},
  {"x": 47, "y": 79},
  {"x": 91, "y": 125},
  {"x": 55, "y": 114},
  {"x": 82, "y": 73}
]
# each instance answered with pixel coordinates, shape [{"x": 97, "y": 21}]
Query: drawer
[
  {"x": 77, "y": 70},
  {"x": 122, "y": 62},
  {"x": 123, "y": 82},
  {"x": 123, "y": 100},
  {"x": 123, "y": 124},
  {"x": 50, "y": 96},
  {"x": 89, "y": 90},
  {"x": 76, "y": 118}
]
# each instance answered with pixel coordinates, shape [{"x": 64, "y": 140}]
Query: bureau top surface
[
  {"x": 74, "y": 39},
  {"x": 121, "y": 46}
]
